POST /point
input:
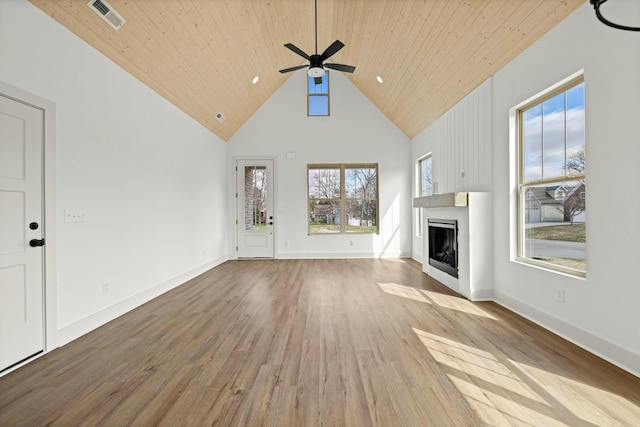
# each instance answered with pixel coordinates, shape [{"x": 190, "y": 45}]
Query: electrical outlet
[
  {"x": 105, "y": 287},
  {"x": 560, "y": 295}
]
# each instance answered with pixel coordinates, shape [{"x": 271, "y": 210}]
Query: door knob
[{"x": 35, "y": 242}]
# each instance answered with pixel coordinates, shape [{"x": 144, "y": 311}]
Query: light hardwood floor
[{"x": 319, "y": 342}]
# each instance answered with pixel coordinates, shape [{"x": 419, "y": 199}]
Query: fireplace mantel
[{"x": 446, "y": 200}]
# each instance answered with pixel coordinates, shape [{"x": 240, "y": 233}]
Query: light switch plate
[{"x": 75, "y": 216}]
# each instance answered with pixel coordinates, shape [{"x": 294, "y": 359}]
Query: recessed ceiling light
[
  {"x": 255, "y": 80},
  {"x": 379, "y": 79}
]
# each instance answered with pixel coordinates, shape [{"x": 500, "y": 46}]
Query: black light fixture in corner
[{"x": 596, "y": 5}]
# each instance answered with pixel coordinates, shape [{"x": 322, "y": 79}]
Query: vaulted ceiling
[{"x": 202, "y": 55}]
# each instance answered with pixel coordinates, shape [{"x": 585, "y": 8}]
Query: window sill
[{"x": 552, "y": 268}]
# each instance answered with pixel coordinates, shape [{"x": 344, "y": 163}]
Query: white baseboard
[
  {"x": 482, "y": 295},
  {"x": 613, "y": 353},
  {"x": 88, "y": 324},
  {"x": 340, "y": 255}
]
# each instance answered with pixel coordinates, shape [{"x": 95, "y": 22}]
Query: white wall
[
  {"x": 600, "y": 313},
  {"x": 152, "y": 181},
  {"x": 460, "y": 143},
  {"x": 356, "y": 132}
]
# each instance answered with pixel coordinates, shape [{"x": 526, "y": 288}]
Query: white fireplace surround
[{"x": 472, "y": 210}]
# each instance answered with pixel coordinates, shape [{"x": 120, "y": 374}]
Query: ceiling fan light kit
[
  {"x": 316, "y": 72},
  {"x": 317, "y": 67}
]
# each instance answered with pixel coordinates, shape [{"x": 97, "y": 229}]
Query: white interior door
[
  {"x": 21, "y": 232},
  {"x": 255, "y": 218}
]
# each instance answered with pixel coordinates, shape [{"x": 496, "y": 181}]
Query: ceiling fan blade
[
  {"x": 297, "y": 50},
  {"x": 317, "y": 80},
  {"x": 341, "y": 67},
  {"x": 331, "y": 50},
  {"x": 287, "y": 70}
]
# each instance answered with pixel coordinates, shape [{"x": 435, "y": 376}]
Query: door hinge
[
  {"x": 236, "y": 169},
  {"x": 236, "y": 249},
  {"x": 236, "y": 195},
  {"x": 236, "y": 222}
]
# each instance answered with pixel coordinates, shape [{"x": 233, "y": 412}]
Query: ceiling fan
[{"x": 317, "y": 65}]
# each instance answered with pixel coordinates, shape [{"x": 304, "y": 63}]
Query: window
[
  {"x": 424, "y": 187},
  {"x": 318, "y": 96},
  {"x": 552, "y": 183},
  {"x": 255, "y": 198},
  {"x": 342, "y": 198}
]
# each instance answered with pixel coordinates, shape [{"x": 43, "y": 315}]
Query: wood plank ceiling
[{"x": 202, "y": 55}]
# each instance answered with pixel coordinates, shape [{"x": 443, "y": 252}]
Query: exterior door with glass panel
[
  {"x": 21, "y": 232},
  {"x": 255, "y": 216}
]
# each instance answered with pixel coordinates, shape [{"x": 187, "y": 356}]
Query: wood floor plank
[{"x": 359, "y": 342}]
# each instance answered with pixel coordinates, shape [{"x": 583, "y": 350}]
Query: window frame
[
  {"x": 310, "y": 95},
  {"x": 343, "y": 199},
  {"x": 419, "y": 180},
  {"x": 522, "y": 185}
]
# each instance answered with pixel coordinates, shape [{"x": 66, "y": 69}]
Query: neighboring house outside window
[
  {"x": 342, "y": 198},
  {"x": 425, "y": 187},
  {"x": 552, "y": 180},
  {"x": 318, "y": 96}
]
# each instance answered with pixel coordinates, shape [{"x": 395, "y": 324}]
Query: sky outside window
[
  {"x": 553, "y": 132},
  {"x": 318, "y": 96}
]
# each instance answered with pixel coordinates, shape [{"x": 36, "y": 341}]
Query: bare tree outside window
[
  {"x": 361, "y": 199},
  {"x": 574, "y": 202},
  {"x": 576, "y": 163},
  {"x": 426, "y": 177},
  {"x": 255, "y": 198},
  {"x": 324, "y": 183}
]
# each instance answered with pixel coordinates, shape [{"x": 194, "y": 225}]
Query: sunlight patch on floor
[
  {"x": 456, "y": 303},
  {"x": 576, "y": 395},
  {"x": 403, "y": 291},
  {"x": 500, "y": 392},
  {"x": 443, "y": 300}
]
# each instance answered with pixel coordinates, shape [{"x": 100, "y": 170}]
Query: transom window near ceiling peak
[{"x": 318, "y": 96}]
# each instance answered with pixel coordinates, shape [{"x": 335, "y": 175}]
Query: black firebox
[{"x": 443, "y": 245}]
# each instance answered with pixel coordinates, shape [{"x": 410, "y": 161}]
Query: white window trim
[
  {"x": 418, "y": 184},
  {"x": 516, "y": 169},
  {"x": 343, "y": 198},
  {"x": 328, "y": 95}
]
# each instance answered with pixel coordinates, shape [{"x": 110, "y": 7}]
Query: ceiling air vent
[
  {"x": 106, "y": 12},
  {"x": 220, "y": 117}
]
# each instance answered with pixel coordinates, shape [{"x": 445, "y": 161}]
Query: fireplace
[{"x": 443, "y": 245}]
